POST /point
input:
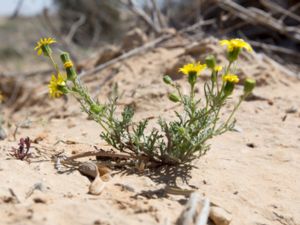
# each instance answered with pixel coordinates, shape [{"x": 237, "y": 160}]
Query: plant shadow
[{"x": 165, "y": 174}]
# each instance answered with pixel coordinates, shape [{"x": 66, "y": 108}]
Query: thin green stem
[
  {"x": 233, "y": 111},
  {"x": 220, "y": 100},
  {"x": 54, "y": 64},
  {"x": 192, "y": 96},
  {"x": 178, "y": 91},
  {"x": 228, "y": 67}
]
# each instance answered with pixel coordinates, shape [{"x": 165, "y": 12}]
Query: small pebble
[
  {"x": 2, "y": 134},
  {"x": 97, "y": 186},
  {"x": 251, "y": 145},
  {"x": 220, "y": 216},
  {"x": 39, "y": 200},
  {"x": 237, "y": 129},
  {"x": 88, "y": 169}
]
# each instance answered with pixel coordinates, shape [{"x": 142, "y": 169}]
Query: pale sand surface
[{"x": 259, "y": 185}]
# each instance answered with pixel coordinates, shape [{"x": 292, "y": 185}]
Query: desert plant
[
  {"x": 22, "y": 152},
  {"x": 178, "y": 141}
]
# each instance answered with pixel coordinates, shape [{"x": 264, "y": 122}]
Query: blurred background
[
  {"x": 84, "y": 26},
  {"x": 102, "y": 37}
]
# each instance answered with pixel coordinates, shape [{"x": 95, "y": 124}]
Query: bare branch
[
  {"x": 75, "y": 27},
  {"x": 291, "y": 9},
  {"x": 17, "y": 9},
  {"x": 141, "y": 13},
  {"x": 256, "y": 16},
  {"x": 159, "y": 15},
  {"x": 277, "y": 8}
]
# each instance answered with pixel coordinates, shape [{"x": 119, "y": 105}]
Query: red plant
[{"x": 22, "y": 152}]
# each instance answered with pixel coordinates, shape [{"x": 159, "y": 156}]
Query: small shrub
[{"x": 178, "y": 141}]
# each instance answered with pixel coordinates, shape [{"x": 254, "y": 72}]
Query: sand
[{"x": 252, "y": 172}]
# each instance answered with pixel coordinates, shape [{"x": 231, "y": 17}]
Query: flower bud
[
  {"x": 46, "y": 50},
  {"x": 174, "y": 98},
  {"x": 70, "y": 70},
  {"x": 95, "y": 108},
  {"x": 249, "y": 85},
  {"x": 192, "y": 78},
  {"x": 228, "y": 89},
  {"x": 181, "y": 130},
  {"x": 167, "y": 79},
  {"x": 63, "y": 88},
  {"x": 234, "y": 54},
  {"x": 210, "y": 61},
  {"x": 68, "y": 64}
]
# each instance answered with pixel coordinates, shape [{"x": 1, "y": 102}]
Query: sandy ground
[{"x": 253, "y": 172}]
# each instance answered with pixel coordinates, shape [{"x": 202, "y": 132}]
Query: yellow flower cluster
[
  {"x": 56, "y": 83},
  {"x": 232, "y": 78},
  {"x": 236, "y": 44},
  {"x": 43, "y": 42},
  {"x": 192, "y": 68}
]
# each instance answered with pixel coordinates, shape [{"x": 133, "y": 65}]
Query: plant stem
[
  {"x": 228, "y": 67},
  {"x": 192, "y": 95},
  {"x": 54, "y": 64},
  {"x": 233, "y": 111}
]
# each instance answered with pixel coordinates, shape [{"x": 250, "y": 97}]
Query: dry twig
[
  {"x": 159, "y": 15},
  {"x": 74, "y": 28},
  {"x": 141, "y": 13},
  {"x": 256, "y": 16},
  {"x": 291, "y": 9},
  {"x": 275, "y": 48},
  {"x": 273, "y": 6}
]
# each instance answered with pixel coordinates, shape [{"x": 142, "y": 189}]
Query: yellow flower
[
  {"x": 218, "y": 68},
  {"x": 232, "y": 78},
  {"x": 68, "y": 64},
  {"x": 236, "y": 44},
  {"x": 43, "y": 42},
  {"x": 192, "y": 68},
  {"x": 56, "y": 85}
]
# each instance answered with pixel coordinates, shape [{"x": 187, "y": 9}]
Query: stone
[
  {"x": 219, "y": 216},
  {"x": 2, "y": 133},
  {"x": 88, "y": 169},
  {"x": 97, "y": 186}
]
